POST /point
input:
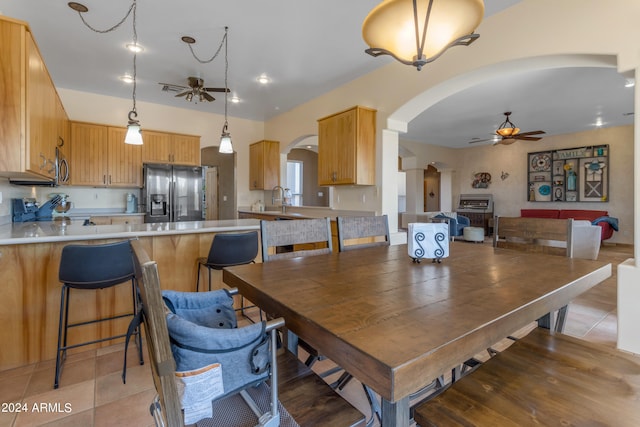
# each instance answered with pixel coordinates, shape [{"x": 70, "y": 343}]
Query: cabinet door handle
[
  {"x": 109, "y": 179},
  {"x": 334, "y": 176},
  {"x": 104, "y": 179}
]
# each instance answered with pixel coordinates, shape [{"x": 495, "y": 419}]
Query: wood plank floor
[{"x": 92, "y": 394}]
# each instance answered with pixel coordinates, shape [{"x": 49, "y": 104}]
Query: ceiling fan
[
  {"x": 507, "y": 133},
  {"x": 195, "y": 89}
]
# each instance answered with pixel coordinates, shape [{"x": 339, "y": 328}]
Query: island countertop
[{"x": 62, "y": 231}]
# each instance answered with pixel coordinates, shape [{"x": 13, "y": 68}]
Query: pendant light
[
  {"x": 133, "y": 135},
  {"x": 416, "y": 32},
  {"x": 226, "y": 147}
]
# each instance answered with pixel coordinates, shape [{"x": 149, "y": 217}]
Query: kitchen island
[{"x": 30, "y": 289}]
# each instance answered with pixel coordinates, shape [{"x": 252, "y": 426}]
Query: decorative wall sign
[
  {"x": 481, "y": 180},
  {"x": 571, "y": 175}
]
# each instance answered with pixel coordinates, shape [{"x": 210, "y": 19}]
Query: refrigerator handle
[{"x": 172, "y": 192}]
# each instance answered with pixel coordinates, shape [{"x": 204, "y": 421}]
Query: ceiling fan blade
[
  {"x": 216, "y": 89},
  {"x": 183, "y": 93},
  {"x": 170, "y": 87},
  {"x": 207, "y": 96},
  {"x": 478, "y": 140},
  {"x": 528, "y": 138},
  {"x": 533, "y": 132}
]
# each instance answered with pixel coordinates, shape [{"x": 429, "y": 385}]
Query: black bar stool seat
[
  {"x": 92, "y": 267},
  {"x": 227, "y": 250}
]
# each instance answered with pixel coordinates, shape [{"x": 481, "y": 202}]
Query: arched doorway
[{"x": 431, "y": 187}]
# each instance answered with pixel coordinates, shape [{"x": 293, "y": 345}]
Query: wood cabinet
[
  {"x": 100, "y": 158},
  {"x": 163, "y": 147},
  {"x": 347, "y": 147},
  {"x": 32, "y": 113},
  {"x": 264, "y": 165}
]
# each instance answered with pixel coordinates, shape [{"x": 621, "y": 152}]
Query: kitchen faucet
[{"x": 281, "y": 198}]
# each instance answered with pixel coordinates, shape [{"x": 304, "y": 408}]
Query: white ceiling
[{"x": 307, "y": 48}]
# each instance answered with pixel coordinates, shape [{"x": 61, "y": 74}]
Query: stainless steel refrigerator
[{"x": 173, "y": 193}]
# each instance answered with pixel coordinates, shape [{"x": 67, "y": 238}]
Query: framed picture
[{"x": 594, "y": 183}]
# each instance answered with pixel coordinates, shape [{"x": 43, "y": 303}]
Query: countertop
[{"x": 59, "y": 231}]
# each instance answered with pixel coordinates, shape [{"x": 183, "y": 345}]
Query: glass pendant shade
[
  {"x": 133, "y": 136},
  {"x": 225, "y": 144},
  {"x": 390, "y": 28}
]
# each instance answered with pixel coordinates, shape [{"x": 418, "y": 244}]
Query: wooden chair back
[
  {"x": 304, "y": 237},
  {"x": 357, "y": 232},
  {"x": 540, "y": 235},
  {"x": 157, "y": 336}
]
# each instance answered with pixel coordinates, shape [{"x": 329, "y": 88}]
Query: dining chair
[
  {"x": 229, "y": 249},
  {"x": 193, "y": 338},
  {"x": 357, "y": 232},
  {"x": 91, "y": 268},
  {"x": 296, "y": 238}
]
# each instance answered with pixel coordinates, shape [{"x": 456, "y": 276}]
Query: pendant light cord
[
  {"x": 226, "y": 72},
  {"x": 135, "y": 55},
  {"x": 108, "y": 30},
  {"x": 215, "y": 55}
]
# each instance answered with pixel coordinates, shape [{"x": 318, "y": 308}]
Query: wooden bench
[
  {"x": 539, "y": 235},
  {"x": 309, "y": 399},
  {"x": 543, "y": 379}
]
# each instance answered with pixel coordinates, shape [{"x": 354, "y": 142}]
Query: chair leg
[
  {"x": 198, "y": 280},
  {"x": 208, "y": 268},
  {"x": 62, "y": 326},
  {"x": 138, "y": 331}
]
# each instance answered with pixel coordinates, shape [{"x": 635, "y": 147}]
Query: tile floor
[{"x": 91, "y": 391}]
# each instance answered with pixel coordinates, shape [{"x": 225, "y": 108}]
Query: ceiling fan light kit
[
  {"x": 507, "y": 129},
  {"x": 416, "y": 32}
]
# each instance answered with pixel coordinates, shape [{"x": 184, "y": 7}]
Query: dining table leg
[{"x": 395, "y": 414}]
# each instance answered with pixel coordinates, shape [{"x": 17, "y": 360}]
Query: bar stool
[
  {"x": 229, "y": 249},
  {"x": 92, "y": 267}
]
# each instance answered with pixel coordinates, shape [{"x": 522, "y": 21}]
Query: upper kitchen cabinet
[
  {"x": 162, "y": 147},
  {"x": 264, "y": 165},
  {"x": 100, "y": 158},
  {"x": 33, "y": 118},
  {"x": 347, "y": 147}
]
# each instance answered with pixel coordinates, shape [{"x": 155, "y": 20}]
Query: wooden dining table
[{"x": 397, "y": 325}]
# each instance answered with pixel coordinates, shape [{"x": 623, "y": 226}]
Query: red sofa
[{"x": 578, "y": 214}]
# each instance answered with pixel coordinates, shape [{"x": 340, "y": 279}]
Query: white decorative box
[{"x": 428, "y": 240}]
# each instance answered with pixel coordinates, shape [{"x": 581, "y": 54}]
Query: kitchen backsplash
[{"x": 83, "y": 199}]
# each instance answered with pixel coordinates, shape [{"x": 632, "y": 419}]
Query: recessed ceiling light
[
  {"x": 126, "y": 78},
  {"x": 134, "y": 47},
  {"x": 263, "y": 79},
  {"x": 234, "y": 99},
  {"x": 599, "y": 123},
  {"x": 630, "y": 83}
]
